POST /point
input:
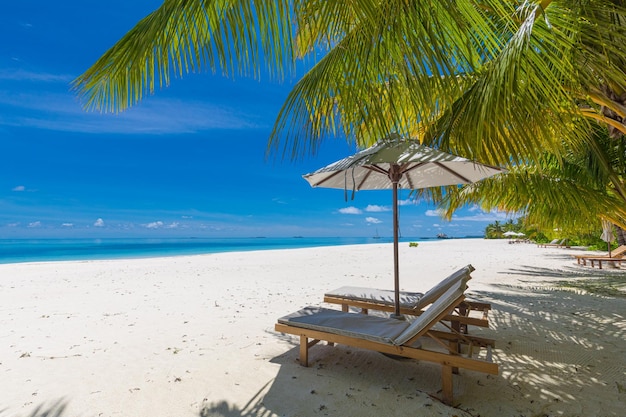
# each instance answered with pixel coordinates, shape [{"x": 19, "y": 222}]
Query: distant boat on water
[{"x": 376, "y": 236}]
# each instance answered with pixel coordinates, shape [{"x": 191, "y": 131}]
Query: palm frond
[
  {"x": 182, "y": 36},
  {"x": 395, "y": 55},
  {"x": 569, "y": 190}
]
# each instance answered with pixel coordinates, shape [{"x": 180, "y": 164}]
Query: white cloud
[
  {"x": 60, "y": 112},
  {"x": 350, "y": 210},
  {"x": 436, "y": 225},
  {"x": 154, "y": 225},
  {"x": 476, "y": 215},
  {"x": 21, "y": 75},
  {"x": 483, "y": 217},
  {"x": 67, "y": 224},
  {"x": 173, "y": 225},
  {"x": 376, "y": 209},
  {"x": 34, "y": 224},
  {"x": 372, "y": 220},
  {"x": 433, "y": 213},
  {"x": 99, "y": 223},
  {"x": 19, "y": 188},
  {"x": 187, "y": 217}
]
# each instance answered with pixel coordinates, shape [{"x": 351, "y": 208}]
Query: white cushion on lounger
[
  {"x": 434, "y": 293},
  {"x": 407, "y": 299},
  {"x": 431, "y": 313},
  {"x": 376, "y": 329},
  {"x": 414, "y": 300}
]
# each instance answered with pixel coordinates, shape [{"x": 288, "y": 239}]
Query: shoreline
[
  {"x": 193, "y": 335},
  {"x": 82, "y": 249}
]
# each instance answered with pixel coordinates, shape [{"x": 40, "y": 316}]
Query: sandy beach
[{"x": 194, "y": 335}]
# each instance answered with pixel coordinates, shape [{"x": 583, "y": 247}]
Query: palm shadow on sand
[
  {"x": 54, "y": 409},
  {"x": 343, "y": 381},
  {"x": 559, "y": 346}
]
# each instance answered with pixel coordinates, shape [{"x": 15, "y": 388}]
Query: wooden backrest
[
  {"x": 435, "y": 292},
  {"x": 618, "y": 252},
  {"x": 431, "y": 316}
]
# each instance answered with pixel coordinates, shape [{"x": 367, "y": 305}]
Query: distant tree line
[{"x": 590, "y": 238}]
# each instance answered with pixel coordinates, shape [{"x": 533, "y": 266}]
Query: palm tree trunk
[{"x": 621, "y": 235}]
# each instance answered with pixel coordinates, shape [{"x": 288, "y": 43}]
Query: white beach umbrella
[
  {"x": 607, "y": 234},
  {"x": 510, "y": 233},
  {"x": 397, "y": 162}
]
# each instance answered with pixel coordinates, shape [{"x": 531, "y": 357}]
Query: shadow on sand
[
  {"x": 583, "y": 279},
  {"x": 56, "y": 409},
  {"x": 343, "y": 381},
  {"x": 561, "y": 352},
  {"x": 556, "y": 339}
]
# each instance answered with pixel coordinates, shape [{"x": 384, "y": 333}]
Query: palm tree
[
  {"x": 505, "y": 76},
  {"x": 571, "y": 191},
  {"x": 503, "y": 82},
  {"x": 494, "y": 230}
]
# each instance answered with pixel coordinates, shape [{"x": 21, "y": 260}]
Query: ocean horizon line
[{"x": 49, "y": 249}]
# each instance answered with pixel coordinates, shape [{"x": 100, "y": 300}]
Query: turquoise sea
[{"x": 36, "y": 250}]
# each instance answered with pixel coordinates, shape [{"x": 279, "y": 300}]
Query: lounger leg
[
  {"x": 455, "y": 346},
  {"x": 456, "y": 325},
  {"x": 304, "y": 351},
  {"x": 344, "y": 308},
  {"x": 464, "y": 312},
  {"x": 446, "y": 383}
]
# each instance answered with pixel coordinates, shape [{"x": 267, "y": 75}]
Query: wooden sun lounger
[
  {"x": 412, "y": 304},
  {"x": 616, "y": 258},
  {"x": 553, "y": 244},
  {"x": 598, "y": 260},
  {"x": 395, "y": 337}
]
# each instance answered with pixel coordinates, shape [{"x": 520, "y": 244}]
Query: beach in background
[{"x": 194, "y": 335}]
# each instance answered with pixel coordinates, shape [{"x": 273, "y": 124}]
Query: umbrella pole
[{"x": 396, "y": 268}]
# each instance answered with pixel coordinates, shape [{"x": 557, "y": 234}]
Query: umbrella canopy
[
  {"x": 398, "y": 162},
  {"x": 607, "y": 234},
  {"x": 510, "y": 233},
  {"x": 409, "y": 164}
]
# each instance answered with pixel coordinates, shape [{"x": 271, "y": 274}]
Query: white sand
[{"x": 193, "y": 336}]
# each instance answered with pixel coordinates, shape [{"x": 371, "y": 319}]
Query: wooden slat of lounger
[
  {"x": 405, "y": 351},
  {"x": 478, "y": 341},
  {"x": 372, "y": 305}
]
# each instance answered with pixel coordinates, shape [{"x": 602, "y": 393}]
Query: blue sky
[{"x": 188, "y": 161}]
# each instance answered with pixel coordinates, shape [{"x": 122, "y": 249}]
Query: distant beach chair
[
  {"x": 554, "y": 244},
  {"x": 616, "y": 258},
  {"x": 397, "y": 337},
  {"x": 413, "y": 303}
]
